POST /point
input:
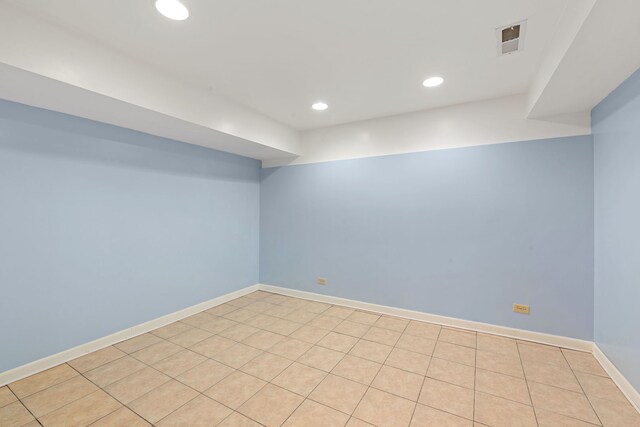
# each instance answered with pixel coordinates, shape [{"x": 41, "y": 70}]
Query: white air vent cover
[{"x": 511, "y": 38}]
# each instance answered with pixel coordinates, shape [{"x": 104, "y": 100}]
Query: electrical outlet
[
  {"x": 521, "y": 308},
  {"x": 322, "y": 281}
]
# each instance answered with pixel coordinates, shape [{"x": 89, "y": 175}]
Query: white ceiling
[{"x": 365, "y": 58}]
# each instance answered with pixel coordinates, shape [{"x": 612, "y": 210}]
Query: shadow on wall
[{"x": 74, "y": 138}]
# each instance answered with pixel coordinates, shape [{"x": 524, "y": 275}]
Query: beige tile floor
[{"x": 267, "y": 359}]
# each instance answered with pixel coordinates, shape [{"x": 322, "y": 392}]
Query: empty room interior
[{"x": 338, "y": 213}]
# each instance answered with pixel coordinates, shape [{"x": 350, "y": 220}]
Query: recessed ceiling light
[
  {"x": 172, "y": 9},
  {"x": 320, "y": 106},
  {"x": 433, "y": 81}
]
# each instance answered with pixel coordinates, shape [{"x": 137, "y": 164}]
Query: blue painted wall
[
  {"x": 462, "y": 232},
  {"x": 616, "y": 130},
  {"x": 102, "y": 228}
]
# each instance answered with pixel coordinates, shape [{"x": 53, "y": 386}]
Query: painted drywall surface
[
  {"x": 463, "y": 232},
  {"x": 493, "y": 121},
  {"x": 617, "y": 227},
  {"x": 102, "y": 228}
]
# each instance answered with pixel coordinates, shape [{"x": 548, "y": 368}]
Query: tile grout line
[
  {"x": 526, "y": 381},
  {"x": 582, "y": 388},
  {"x": 425, "y": 374}
]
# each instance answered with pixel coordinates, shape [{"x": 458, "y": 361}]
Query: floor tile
[
  {"x": 97, "y": 358},
  {"x": 561, "y": 401},
  {"x": 260, "y": 321},
  {"x": 384, "y": 410},
  {"x": 423, "y": 330},
  {"x": 266, "y": 366},
  {"x": 556, "y": 375},
  {"x": 283, "y": 327},
  {"x": 114, "y": 371},
  {"x": 501, "y": 363},
  {"x": 396, "y": 381},
  {"x": 357, "y": 369},
  {"x": 392, "y": 323},
  {"x": 300, "y": 379},
  {"x": 221, "y": 309},
  {"x": 416, "y": 344},
  {"x": 237, "y": 355},
  {"x": 179, "y": 363},
  {"x": 316, "y": 307},
  {"x": 497, "y": 412},
  {"x": 581, "y": 361},
  {"x": 451, "y": 372},
  {"x": 205, "y": 375},
  {"x": 238, "y": 420},
  {"x": 276, "y": 299},
  {"x": 121, "y": 418},
  {"x": 408, "y": 360},
  {"x": 496, "y": 344},
  {"x": 339, "y": 393},
  {"x": 301, "y": 316},
  {"x": 312, "y": 414},
  {"x": 137, "y": 343},
  {"x": 271, "y": 406},
  {"x": 614, "y": 413},
  {"x": 14, "y": 415},
  {"x": 455, "y": 353},
  {"x": 540, "y": 353},
  {"x": 501, "y": 385},
  {"x": 598, "y": 386},
  {"x": 82, "y": 412},
  {"x": 199, "y": 412},
  {"x": 6, "y": 396},
  {"x": 235, "y": 389},
  {"x": 263, "y": 340},
  {"x": 57, "y": 396},
  {"x": 354, "y": 422},
  {"x": 310, "y": 334},
  {"x": 321, "y": 358},
  {"x": 170, "y": 330},
  {"x": 551, "y": 419},
  {"x": 42, "y": 380},
  {"x": 156, "y": 352},
  {"x": 325, "y": 322},
  {"x": 212, "y": 346},
  {"x": 162, "y": 401},
  {"x": 212, "y": 323},
  {"x": 447, "y": 397},
  {"x": 371, "y": 351},
  {"x": 382, "y": 336},
  {"x": 351, "y": 328},
  {"x": 339, "y": 312},
  {"x": 239, "y": 332},
  {"x": 290, "y": 348},
  {"x": 190, "y": 337},
  {"x": 136, "y": 385},
  {"x": 363, "y": 317},
  {"x": 338, "y": 342},
  {"x": 240, "y": 315},
  {"x": 458, "y": 336},
  {"x": 426, "y": 416},
  {"x": 259, "y": 306}
]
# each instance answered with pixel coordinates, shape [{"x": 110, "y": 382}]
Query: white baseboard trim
[
  {"x": 617, "y": 377},
  {"x": 539, "y": 337},
  {"x": 75, "y": 352}
]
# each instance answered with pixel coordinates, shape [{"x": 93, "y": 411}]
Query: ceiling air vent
[{"x": 511, "y": 38}]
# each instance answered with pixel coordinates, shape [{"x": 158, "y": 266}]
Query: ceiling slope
[
  {"x": 603, "y": 52},
  {"x": 50, "y": 67}
]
